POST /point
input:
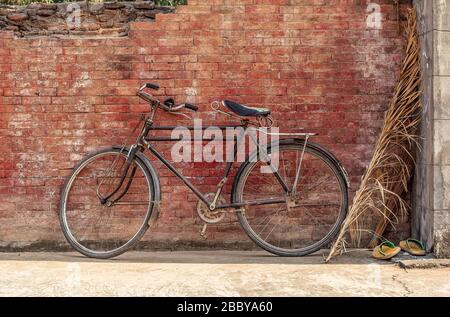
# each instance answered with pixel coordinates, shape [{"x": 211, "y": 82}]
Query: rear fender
[
  {"x": 315, "y": 146},
  {"x": 325, "y": 152}
]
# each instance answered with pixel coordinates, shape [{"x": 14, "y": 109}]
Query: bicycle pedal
[{"x": 203, "y": 231}]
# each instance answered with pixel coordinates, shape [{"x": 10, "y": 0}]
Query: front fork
[
  {"x": 138, "y": 146},
  {"x": 106, "y": 200}
]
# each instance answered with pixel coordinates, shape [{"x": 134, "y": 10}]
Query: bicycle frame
[
  {"x": 222, "y": 182},
  {"x": 144, "y": 142}
]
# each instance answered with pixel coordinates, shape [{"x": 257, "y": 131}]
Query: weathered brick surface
[{"x": 315, "y": 63}]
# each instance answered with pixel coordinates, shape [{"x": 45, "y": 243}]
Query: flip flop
[
  {"x": 385, "y": 251},
  {"x": 413, "y": 247}
]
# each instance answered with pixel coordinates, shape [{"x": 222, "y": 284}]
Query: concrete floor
[{"x": 214, "y": 273}]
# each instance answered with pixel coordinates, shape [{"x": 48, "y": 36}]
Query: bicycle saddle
[{"x": 245, "y": 111}]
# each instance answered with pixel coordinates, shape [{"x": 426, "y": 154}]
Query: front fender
[{"x": 155, "y": 178}]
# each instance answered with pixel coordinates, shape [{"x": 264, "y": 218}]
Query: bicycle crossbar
[{"x": 168, "y": 139}]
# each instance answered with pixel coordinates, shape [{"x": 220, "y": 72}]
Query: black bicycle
[{"x": 113, "y": 195}]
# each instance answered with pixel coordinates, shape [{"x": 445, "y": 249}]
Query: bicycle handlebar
[
  {"x": 168, "y": 106},
  {"x": 152, "y": 86},
  {"x": 191, "y": 106}
]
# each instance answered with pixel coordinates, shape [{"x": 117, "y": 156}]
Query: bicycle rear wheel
[
  {"x": 306, "y": 221},
  {"x": 102, "y": 230}
]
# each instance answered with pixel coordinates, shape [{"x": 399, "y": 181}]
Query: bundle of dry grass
[{"x": 390, "y": 169}]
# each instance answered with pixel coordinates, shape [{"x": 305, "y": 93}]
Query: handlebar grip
[
  {"x": 152, "y": 86},
  {"x": 190, "y": 106}
]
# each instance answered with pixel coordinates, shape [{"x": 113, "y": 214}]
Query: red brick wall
[{"x": 313, "y": 62}]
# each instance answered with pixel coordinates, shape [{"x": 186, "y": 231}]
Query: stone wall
[
  {"x": 92, "y": 19},
  {"x": 431, "y": 212},
  {"x": 317, "y": 64}
]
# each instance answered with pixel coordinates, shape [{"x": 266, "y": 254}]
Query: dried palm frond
[{"x": 390, "y": 169}]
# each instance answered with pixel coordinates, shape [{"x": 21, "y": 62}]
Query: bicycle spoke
[
  {"x": 275, "y": 213},
  {"x": 317, "y": 185},
  {"x": 272, "y": 229}
]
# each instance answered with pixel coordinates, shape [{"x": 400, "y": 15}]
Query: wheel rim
[
  {"x": 97, "y": 229},
  {"x": 315, "y": 218}
]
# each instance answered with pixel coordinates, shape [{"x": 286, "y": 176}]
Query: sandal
[
  {"x": 385, "y": 251},
  {"x": 413, "y": 247}
]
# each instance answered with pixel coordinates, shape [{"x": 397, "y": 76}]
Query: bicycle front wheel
[
  {"x": 309, "y": 218},
  {"x": 105, "y": 230}
]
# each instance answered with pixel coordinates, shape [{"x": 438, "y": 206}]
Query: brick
[
  {"x": 194, "y": 9},
  {"x": 166, "y": 66},
  {"x": 162, "y": 58},
  {"x": 265, "y": 9},
  {"x": 201, "y": 66},
  {"x": 175, "y": 41}
]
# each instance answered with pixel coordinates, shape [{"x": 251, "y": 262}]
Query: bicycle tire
[
  {"x": 64, "y": 196},
  {"x": 339, "y": 172}
]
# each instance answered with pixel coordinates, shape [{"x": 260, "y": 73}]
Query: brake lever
[
  {"x": 176, "y": 108},
  {"x": 181, "y": 114}
]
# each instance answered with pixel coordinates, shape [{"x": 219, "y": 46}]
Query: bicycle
[{"x": 113, "y": 195}]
